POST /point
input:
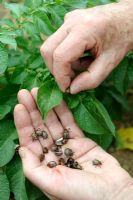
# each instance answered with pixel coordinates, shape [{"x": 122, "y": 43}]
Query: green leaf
[
  {"x": 92, "y": 117},
  {"x": 119, "y": 98},
  {"x": 77, "y": 4},
  {"x": 18, "y": 75},
  {"x": 103, "y": 140},
  {"x": 30, "y": 81},
  {"x": 16, "y": 9},
  {"x": 43, "y": 23},
  {"x": 8, "y": 95},
  {"x": 7, "y": 146},
  {"x": 130, "y": 69},
  {"x": 4, "y": 186},
  {"x": 6, "y": 22},
  {"x": 30, "y": 28},
  {"x": 16, "y": 179},
  {"x": 18, "y": 58},
  {"x": 72, "y": 100},
  {"x": 4, "y": 110},
  {"x": 37, "y": 62},
  {"x": 120, "y": 76},
  {"x": 33, "y": 193},
  {"x": 57, "y": 14},
  {"x": 21, "y": 42},
  {"x": 3, "y": 59},
  {"x": 33, "y": 3},
  {"x": 3, "y": 80},
  {"x": 86, "y": 121},
  {"x": 48, "y": 97},
  {"x": 7, "y": 39},
  {"x": 100, "y": 113}
]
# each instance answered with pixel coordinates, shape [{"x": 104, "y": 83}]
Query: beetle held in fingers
[{"x": 17, "y": 147}]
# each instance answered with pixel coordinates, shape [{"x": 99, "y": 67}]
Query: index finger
[
  {"x": 51, "y": 44},
  {"x": 70, "y": 50},
  {"x": 25, "y": 128}
]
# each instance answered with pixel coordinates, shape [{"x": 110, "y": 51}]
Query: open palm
[{"x": 103, "y": 182}]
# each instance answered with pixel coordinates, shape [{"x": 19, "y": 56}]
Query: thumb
[
  {"x": 29, "y": 159},
  {"x": 96, "y": 73},
  {"x": 33, "y": 169}
]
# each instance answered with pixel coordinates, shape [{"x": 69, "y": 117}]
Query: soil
[
  {"x": 3, "y": 12},
  {"x": 125, "y": 157}
]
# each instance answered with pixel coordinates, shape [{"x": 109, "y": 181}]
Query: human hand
[
  {"x": 105, "y": 31},
  {"x": 103, "y": 182}
]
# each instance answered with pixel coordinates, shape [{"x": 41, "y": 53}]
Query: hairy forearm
[
  {"x": 122, "y": 12},
  {"x": 127, "y": 8}
]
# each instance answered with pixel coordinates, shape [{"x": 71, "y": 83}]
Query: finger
[
  {"x": 51, "y": 44},
  {"x": 71, "y": 49},
  {"x": 67, "y": 120},
  {"x": 25, "y": 98},
  {"x": 82, "y": 64},
  {"x": 97, "y": 72},
  {"x": 54, "y": 125},
  {"x": 25, "y": 129}
]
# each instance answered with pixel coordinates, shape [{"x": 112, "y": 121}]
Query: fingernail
[
  {"x": 74, "y": 90},
  {"x": 22, "y": 152}
]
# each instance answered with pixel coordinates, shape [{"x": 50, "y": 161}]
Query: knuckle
[
  {"x": 45, "y": 51},
  {"x": 76, "y": 11},
  {"x": 58, "y": 56},
  {"x": 26, "y": 172},
  {"x": 67, "y": 15},
  {"x": 96, "y": 20},
  {"x": 94, "y": 83},
  {"x": 103, "y": 20},
  {"x": 72, "y": 13},
  {"x": 41, "y": 48}
]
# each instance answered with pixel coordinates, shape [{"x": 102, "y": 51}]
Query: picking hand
[
  {"x": 94, "y": 182},
  {"x": 105, "y": 31}
]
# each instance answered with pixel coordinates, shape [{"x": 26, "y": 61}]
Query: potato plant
[{"x": 21, "y": 66}]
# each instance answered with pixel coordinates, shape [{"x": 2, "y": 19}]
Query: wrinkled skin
[
  {"x": 106, "y": 182},
  {"x": 105, "y": 31}
]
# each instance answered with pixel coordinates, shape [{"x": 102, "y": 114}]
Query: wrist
[
  {"x": 126, "y": 193},
  {"x": 123, "y": 16},
  {"x": 119, "y": 17}
]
